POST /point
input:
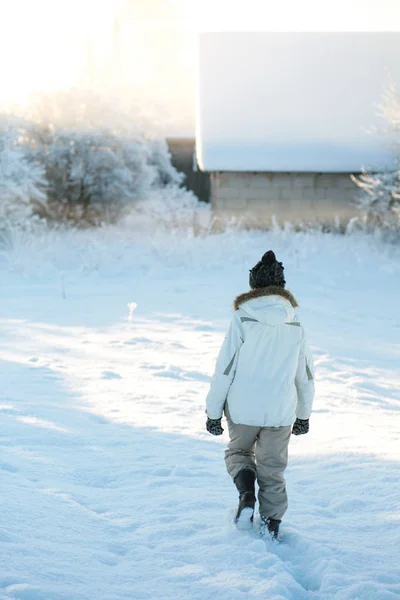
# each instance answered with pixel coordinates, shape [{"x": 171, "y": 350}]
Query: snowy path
[{"x": 111, "y": 489}]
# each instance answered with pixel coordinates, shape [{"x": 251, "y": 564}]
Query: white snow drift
[{"x": 110, "y": 486}]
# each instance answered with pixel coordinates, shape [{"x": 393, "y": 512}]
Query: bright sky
[{"x": 150, "y": 51}]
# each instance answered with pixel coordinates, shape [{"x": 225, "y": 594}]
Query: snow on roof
[{"x": 294, "y": 101}]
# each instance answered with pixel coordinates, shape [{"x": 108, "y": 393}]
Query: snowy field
[{"x": 110, "y": 486}]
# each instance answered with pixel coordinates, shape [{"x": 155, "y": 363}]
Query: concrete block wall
[{"x": 294, "y": 197}]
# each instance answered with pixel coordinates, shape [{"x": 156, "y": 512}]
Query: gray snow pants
[{"x": 265, "y": 450}]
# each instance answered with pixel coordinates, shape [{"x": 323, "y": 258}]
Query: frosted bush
[
  {"x": 92, "y": 176},
  {"x": 170, "y": 208},
  {"x": 380, "y": 201},
  {"x": 22, "y": 178},
  {"x": 160, "y": 159},
  {"x": 90, "y": 158},
  {"x": 98, "y": 176}
]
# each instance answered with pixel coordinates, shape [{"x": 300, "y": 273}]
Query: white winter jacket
[{"x": 264, "y": 371}]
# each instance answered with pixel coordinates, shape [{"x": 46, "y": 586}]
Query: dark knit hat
[{"x": 267, "y": 272}]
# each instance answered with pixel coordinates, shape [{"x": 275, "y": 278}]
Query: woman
[{"x": 264, "y": 380}]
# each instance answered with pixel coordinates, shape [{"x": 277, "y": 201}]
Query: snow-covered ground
[{"x": 110, "y": 486}]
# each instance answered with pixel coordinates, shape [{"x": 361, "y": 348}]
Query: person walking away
[{"x": 264, "y": 382}]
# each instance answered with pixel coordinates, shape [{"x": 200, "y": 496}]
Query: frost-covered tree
[
  {"x": 92, "y": 175},
  {"x": 95, "y": 175},
  {"x": 160, "y": 159},
  {"x": 390, "y": 111},
  {"x": 92, "y": 157},
  {"x": 135, "y": 155},
  {"x": 380, "y": 197},
  {"x": 380, "y": 200},
  {"x": 22, "y": 178}
]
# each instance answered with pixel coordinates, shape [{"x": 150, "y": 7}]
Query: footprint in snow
[
  {"x": 8, "y": 409},
  {"x": 24, "y": 591},
  {"x": 177, "y": 345},
  {"x": 182, "y": 375},
  {"x": 100, "y": 419},
  {"x": 139, "y": 340},
  {"x": 118, "y": 549},
  {"x": 204, "y": 328},
  {"x": 7, "y": 467},
  {"x": 110, "y": 375},
  {"x": 161, "y": 472},
  {"x": 150, "y": 367},
  {"x": 183, "y": 472}
]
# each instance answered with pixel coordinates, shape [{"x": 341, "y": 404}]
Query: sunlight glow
[
  {"x": 147, "y": 48},
  {"x": 291, "y": 15}
]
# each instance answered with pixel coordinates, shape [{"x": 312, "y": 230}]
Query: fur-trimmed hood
[
  {"x": 272, "y": 306},
  {"x": 272, "y": 290}
]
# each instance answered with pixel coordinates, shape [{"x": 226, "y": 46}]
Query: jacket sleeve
[
  {"x": 305, "y": 381},
  {"x": 225, "y": 369}
]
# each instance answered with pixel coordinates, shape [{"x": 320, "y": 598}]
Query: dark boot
[
  {"x": 244, "y": 482},
  {"x": 269, "y": 526}
]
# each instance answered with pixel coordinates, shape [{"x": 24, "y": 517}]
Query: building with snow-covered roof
[{"x": 283, "y": 119}]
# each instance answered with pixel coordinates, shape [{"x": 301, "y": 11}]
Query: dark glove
[
  {"x": 301, "y": 426},
  {"x": 214, "y": 426}
]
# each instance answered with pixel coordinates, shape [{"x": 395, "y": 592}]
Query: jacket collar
[{"x": 272, "y": 290}]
